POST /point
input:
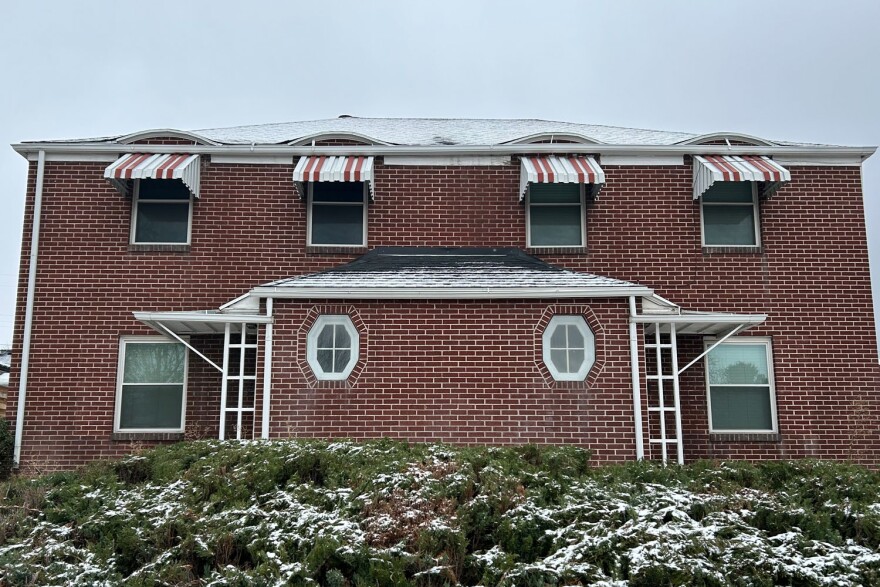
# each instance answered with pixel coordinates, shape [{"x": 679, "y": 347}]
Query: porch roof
[{"x": 194, "y": 322}]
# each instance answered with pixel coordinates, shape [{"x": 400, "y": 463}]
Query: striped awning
[
  {"x": 323, "y": 168},
  {"x": 180, "y": 166},
  {"x": 711, "y": 168},
  {"x": 560, "y": 169}
]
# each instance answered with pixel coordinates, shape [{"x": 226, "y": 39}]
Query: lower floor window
[
  {"x": 333, "y": 345},
  {"x": 739, "y": 374},
  {"x": 569, "y": 348},
  {"x": 151, "y": 385}
]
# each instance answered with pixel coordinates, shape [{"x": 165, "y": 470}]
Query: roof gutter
[
  {"x": 29, "y": 309},
  {"x": 451, "y": 293},
  {"x": 28, "y": 150}
]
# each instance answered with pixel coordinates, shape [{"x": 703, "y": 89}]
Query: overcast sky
[{"x": 799, "y": 70}]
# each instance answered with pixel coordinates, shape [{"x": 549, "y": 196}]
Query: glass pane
[
  {"x": 739, "y": 364},
  {"x": 559, "y": 360},
  {"x": 557, "y": 339},
  {"x": 729, "y": 191},
  {"x": 337, "y": 225},
  {"x": 343, "y": 340},
  {"x": 249, "y": 393},
  {"x": 555, "y": 225},
  {"x": 555, "y": 193},
  {"x": 741, "y": 408},
  {"x": 163, "y": 189},
  {"x": 325, "y": 337},
  {"x": 342, "y": 358},
  {"x": 154, "y": 363},
  {"x": 729, "y": 225},
  {"x": 325, "y": 359},
  {"x": 338, "y": 191},
  {"x": 161, "y": 223},
  {"x": 575, "y": 360},
  {"x": 151, "y": 406},
  {"x": 575, "y": 338}
]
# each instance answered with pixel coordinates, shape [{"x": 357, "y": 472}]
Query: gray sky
[{"x": 801, "y": 70}]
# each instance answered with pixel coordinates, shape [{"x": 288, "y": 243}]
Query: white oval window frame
[
  {"x": 589, "y": 347},
  {"x": 312, "y": 346}
]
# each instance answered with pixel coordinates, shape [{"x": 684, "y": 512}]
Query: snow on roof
[{"x": 419, "y": 268}]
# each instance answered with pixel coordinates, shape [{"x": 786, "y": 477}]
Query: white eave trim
[
  {"x": 202, "y": 317},
  {"x": 446, "y": 293},
  {"x": 701, "y": 318},
  {"x": 827, "y": 155}
]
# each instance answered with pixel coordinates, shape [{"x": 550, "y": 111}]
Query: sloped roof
[
  {"x": 422, "y": 132},
  {"x": 398, "y": 272}
]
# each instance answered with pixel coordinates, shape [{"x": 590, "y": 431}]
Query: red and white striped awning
[
  {"x": 711, "y": 168},
  {"x": 323, "y": 168},
  {"x": 560, "y": 169},
  {"x": 180, "y": 166}
]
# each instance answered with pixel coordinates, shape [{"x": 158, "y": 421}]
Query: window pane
[
  {"x": 739, "y": 364},
  {"x": 575, "y": 360},
  {"x": 729, "y": 191},
  {"x": 325, "y": 360},
  {"x": 154, "y": 363},
  {"x": 337, "y": 225},
  {"x": 342, "y": 358},
  {"x": 151, "y": 406},
  {"x": 343, "y": 340},
  {"x": 559, "y": 359},
  {"x": 729, "y": 225},
  {"x": 555, "y": 225},
  {"x": 557, "y": 339},
  {"x": 163, "y": 189},
  {"x": 575, "y": 338},
  {"x": 741, "y": 408},
  {"x": 325, "y": 337},
  {"x": 338, "y": 191},
  {"x": 555, "y": 193},
  {"x": 161, "y": 223}
]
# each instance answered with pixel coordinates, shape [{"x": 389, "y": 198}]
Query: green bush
[{"x": 7, "y": 446}]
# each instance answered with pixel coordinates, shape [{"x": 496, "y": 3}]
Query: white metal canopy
[
  {"x": 333, "y": 168},
  {"x": 560, "y": 169},
  {"x": 182, "y": 166},
  {"x": 709, "y": 169}
]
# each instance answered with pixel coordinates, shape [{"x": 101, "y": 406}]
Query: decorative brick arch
[
  {"x": 598, "y": 332},
  {"x": 302, "y": 342}
]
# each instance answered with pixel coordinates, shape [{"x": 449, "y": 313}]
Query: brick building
[{"x": 640, "y": 293}]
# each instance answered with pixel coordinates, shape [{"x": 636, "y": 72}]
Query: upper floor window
[
  {"x": 729, "y": 212},
  {"x": 739, "y": 377},
  {"x": 151, "y": 385},
  {"x": 161, "y": 212},
  {"x": 337, "y": 213},
  {"x": 569, "y": 348},
  {"x": 555, "y": 215}
]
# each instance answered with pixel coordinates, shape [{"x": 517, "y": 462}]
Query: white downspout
[
  {"x": 267, "y": 371},
  {"x": 636, "y": 383},
  {"x": 29, "y": 308}
]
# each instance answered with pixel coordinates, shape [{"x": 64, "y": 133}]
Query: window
[
  {"x": 333, "y": 347},
  {"x": 739, "y": 376},
  {"x": 151, "y": 385},
  {"x": 555, "y": 215},
  {"x": 729, "y": 211},
  {"x": 161, "y": 212},
  {"x": 337, "y": 213},
  {"x": 569, "y": 348}
]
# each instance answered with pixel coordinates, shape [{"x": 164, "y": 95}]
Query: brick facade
[{"x": 456, "y": 371}]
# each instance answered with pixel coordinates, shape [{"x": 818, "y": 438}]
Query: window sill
[
  {"x": 158, "y": 248},
  {"x": 740, "y": 437},
  {"x": 134, "y": 436},
  {"x": 746, "y": 250},
  {"x": 556, "y": 250},
  {"x": 324, "y": 250}
]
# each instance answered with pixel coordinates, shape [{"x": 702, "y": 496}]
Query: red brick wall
[{"x": 249, "y": 228}]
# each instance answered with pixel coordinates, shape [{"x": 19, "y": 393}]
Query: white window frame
[
  {"x": 583, "y": 213},
  {"x": 749, "y": 340},
  {"x": 134, "y": 214},
  {"x": 755, "y": 217},
  {"x": 311, "y": 216},
  {"x": 120, "y": 373},
  {"x": 580, "y": 323},
  {"x": 312, "y": 345}
]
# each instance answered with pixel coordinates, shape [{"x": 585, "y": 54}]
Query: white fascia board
[
  {"x": 443, "y": 293},
  {"x": 221, "y": 158},
  {"x": 440, "y": 160},
  {"x": 77, "y": 157},
  {"x": 202, "y": 317},
  {"x": 705, "y": 318},
  {"x": 822, "y": 155},
  {"x": 646, "y": 159}
]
